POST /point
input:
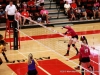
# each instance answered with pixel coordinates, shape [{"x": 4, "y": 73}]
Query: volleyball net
[{"x": 52, "y": 41}]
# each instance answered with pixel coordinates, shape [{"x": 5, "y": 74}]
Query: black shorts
[
  {"x": 41, "y": 4},
  {"x": 11, "y": 17},
  {"x": 32, "y": 72},
  {"x": 76, "y": 36},
  {"x": 85, "y": 59}
]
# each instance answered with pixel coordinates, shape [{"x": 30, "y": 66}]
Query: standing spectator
[
  {"x": 10, "y": 11},
  {"x": 84, "y": 13},
  {"x": 44, "y": 14},
  {"x": 73, "y": 4},
  {"x": 67, "y": 7},
  {"x": 95, "y": 11}
]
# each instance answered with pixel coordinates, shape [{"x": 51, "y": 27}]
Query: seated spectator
[
  {"x": 84, "y": 13},
  {"x": 18, "y": 4},
  {"x": 71, "y": 14},
  {"x": 95, "y": 11},
  {"x": 31, "y": 3},
  {"x": 37, "y": 4},
  {"x": 99, "y": 12},
  {"x": 18, "y": 17},
  {"x": 2, "y": 12},
  {"x": 38, "y": 17},
  {"x": 97, "y": 4},
  {"x": 78, "y": 13},
  {"x": 41, "y": 2},
  {"x": 73, "y": 4},
  {"x": 69, "y": 1},
  {"x": 25, "y": 15},
  {"x": 67, "y": 7},
  {"x": 24, "y": 5},
  {"x": 44, "y": 14}
]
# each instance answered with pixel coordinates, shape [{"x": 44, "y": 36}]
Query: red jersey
[
  {"x": 74, "y": 5},
  {"x": 84, "y": 51},
  {"x": 30, "y": 3},
  {"x": 70, "y": 31},
  {"x": 26, "y": 14}
]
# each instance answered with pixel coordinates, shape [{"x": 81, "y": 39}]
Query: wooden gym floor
[{"x": 54, "y": 47}]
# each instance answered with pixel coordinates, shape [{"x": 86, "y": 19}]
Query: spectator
[
  {"x": 24, "y": 5},
  {"x": 18, "y": 17},
  {"x": 69, "y": 1},
  {"x": 38, "y": 17},
  {"x": 78, "y": 13},
  {"x": 25, "y": 15},
  {"x": 99, "y": 12},
  {"x": 10, "y": 11},
  {"x": 41, "y": 2},
  {"x": 73, "y": 4},
  {"x": 97, "y": 4},
  {"x": 72, "y": 14},
  {"x": 84, "y": 13},
  {"x": 18, "y": 4},
  {"x": 2, "y": 12},
  {"x": 44, "y": 14},
  {"x": 95, "y": 11},
  {"x": 67, "y": 7},
  {"x": 31, "y": 3}
]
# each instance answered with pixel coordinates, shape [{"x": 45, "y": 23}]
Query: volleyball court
[{"x": 50, "y": 41}]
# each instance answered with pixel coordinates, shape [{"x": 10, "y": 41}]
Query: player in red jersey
[
  {"x": 84, "y": 57},
  {"x": 73, "y": 39}
]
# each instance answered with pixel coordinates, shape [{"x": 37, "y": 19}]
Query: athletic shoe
[
  {"x": 66, "y": 54},
  {"x": 77, "y": 68}
]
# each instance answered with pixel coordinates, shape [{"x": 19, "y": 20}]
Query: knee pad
[
  {"x": 73, "y": 45},
  {"x": 68, "y": 45}
]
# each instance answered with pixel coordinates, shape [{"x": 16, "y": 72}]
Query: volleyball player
[
  {"x": 3, "y": 48},
  {"x": 73, "y": 39},
  {"x": 82, "y": 38},
  {"x": 84, "y": 56},
  {"x": 31, "y": 65}
]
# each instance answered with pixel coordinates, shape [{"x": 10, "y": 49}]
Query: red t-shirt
[
  {"x": 84, "y": 51},
  {"x": 30, "y": 3},
  {"x": 71, "y": 31},
  {"x": 26, "y": 14},
  {"x": 74, "y": 5}
]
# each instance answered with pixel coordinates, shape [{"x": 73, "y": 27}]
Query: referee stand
[{"x": 12, "y": 34}]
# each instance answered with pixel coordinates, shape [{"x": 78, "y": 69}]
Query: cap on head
[{"x": 67, "y": 26}]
